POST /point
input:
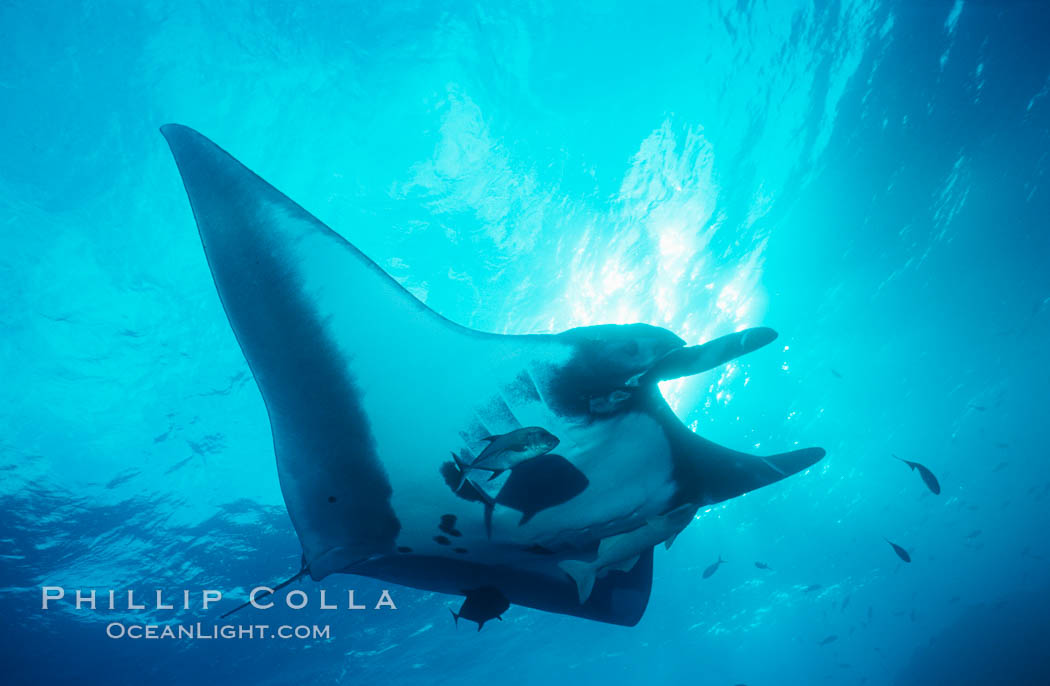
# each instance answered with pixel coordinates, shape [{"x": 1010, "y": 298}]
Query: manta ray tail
[
  {"x": 298, "y": 575},
  {"x": 583, "y": 573}
]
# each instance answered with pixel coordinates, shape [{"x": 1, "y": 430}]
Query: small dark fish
[
  {"x": 927, "y": 476},
  {"x": 481, "y": 605},
  {"x": 829, "y": 639},
  {"x": 973, "y": 534},
  {"x": 901, "y": 552},
  {"x": 979, "y": 408},
  {"x": 845, "y": 604},
  {"x": 811, "y": 588},
  {"x": 178, "y": 465},
  {"x": 713, "y": 568},
  {"x": 208, "y": 445},
  {"x": 835, "y": 373},
  {"x": 1001, "y": 466},
  {"x": 122, "y": 478},
  {"x": 763, "y": 565},
  {"x": 1002, "y": 445}
]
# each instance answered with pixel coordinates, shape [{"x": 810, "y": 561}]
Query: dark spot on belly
[
  {"x": 461, "y": 551},
  {"x": 331, "y": 498},
  {"x": 448, "y": 525},
  {"x": 442, "y": 540},
  {"x": 403, "y": 549}
]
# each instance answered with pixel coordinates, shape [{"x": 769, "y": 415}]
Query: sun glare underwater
[{"x": 868, "y": 179}]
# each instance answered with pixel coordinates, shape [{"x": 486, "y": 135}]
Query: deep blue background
[{"x": 868, "y": 178}]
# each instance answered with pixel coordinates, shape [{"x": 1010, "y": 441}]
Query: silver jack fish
[{"x": 507, "y": 451}]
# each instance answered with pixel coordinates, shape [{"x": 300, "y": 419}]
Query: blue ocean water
[{"x": 869, "y": 178}]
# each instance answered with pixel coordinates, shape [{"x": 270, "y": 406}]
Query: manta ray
[{"x": 368, "y": 391}]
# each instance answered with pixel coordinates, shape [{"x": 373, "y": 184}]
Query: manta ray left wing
[
  {"x": 329, "y": 337},
  {"x": 295, "y": 292}
]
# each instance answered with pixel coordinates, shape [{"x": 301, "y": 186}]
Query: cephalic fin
[
  {"x": 700, "y": 358},
  {"x": 722, "y": 473}
]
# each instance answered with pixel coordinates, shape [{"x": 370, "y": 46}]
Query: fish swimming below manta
[{"x": 368, "y": 391}]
